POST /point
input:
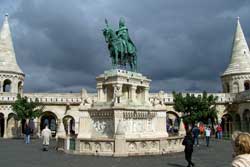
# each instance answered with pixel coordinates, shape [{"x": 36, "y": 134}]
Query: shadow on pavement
[{"x": 176, "y": 165}]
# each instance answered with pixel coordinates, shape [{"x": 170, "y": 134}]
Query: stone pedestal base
[{"x": 120, "y": 146}]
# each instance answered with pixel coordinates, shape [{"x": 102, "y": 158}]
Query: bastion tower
[
  {"x": 11, "y": 76},
  {"x": 236, "y": 78}
]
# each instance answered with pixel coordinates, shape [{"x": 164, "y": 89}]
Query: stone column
[
  {"x": 100, "y": 92},
  {"x": 1, "y": 86},
  {"x": 120, "y": 140},
  {"x": 5, "y": 135},
  {"x": 37, "y": 127},
  {"x": 68, "y": 127},
  {"x": 146, "y": 95},
  {"x": 38, "y": 132},
  {"x": 160, "y": 123},
  {"x": 84, "y": 126},
  {"x": 60, "y": 129},
  {"x": 77, "y": 126},
  {"x": 19, "y": 128},
  {"x": 132, "y": 93}
]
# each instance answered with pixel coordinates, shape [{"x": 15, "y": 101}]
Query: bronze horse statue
[{"x": 117, "y": 50}]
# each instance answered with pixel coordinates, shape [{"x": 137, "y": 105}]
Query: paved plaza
[{"x": 14, "y": 153}]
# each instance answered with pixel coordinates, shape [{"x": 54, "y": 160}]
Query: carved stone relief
[
  {"x": 132, "y": 147},
  {"x": 103, "y": 127}
]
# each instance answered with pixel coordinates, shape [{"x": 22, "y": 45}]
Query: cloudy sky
[{"x": 183, "y": 45}]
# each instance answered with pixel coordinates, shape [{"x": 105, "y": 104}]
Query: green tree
[
  {"x": 195, "y": 109},
  {"x": 25, "y": 109}
]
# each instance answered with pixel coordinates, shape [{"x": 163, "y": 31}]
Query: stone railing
[
  {"x": 47, "y": 98},
  {"x": 168, "y": 99},
  {"x": 55, "y": 98},
  {"x": 8, "y": 97},
  {"x": 243, "y": 96}
]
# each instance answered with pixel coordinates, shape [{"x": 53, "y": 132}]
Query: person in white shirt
[
  {"x": 208, "y": 134},
  {"x": 46, "y": 135}
]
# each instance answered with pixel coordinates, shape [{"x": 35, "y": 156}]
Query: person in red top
[
  {"x": 202, "y": 130},
  {"x": 219, "y": 132}
]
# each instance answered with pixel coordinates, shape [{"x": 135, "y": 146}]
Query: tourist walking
[
  {"x": 46, "y": 135},
  {"x": 219, "y": 132},
  {"x": 242, "y": 150},
  {"x": 27, "y": 131},
  {"x": 208, "y": 134},
  {"x": 196, "y": 133},
  {"x": 188, "y": 142}
]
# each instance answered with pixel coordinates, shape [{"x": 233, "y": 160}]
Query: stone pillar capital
[
  {"x": 133, "y": 87},
  {"x": 99, "y": 86}
]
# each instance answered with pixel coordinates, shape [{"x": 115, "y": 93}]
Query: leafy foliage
[
  {"x": 25, "y": 109},
  {"x": 194, "y": 109}
]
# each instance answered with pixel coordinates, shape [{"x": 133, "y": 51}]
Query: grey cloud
[{"x": 182, "y": 45}]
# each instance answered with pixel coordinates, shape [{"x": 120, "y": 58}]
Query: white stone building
[{"x": 122, "y": 106}]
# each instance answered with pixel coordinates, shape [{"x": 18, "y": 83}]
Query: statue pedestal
[
  {"x": 122, "y": 121},
  {"x": 123, "y": 88}
]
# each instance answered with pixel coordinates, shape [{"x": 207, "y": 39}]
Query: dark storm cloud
[{"x": 182, "y": 45}]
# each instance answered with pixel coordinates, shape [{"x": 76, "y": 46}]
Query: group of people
[
  {"x": 45, "y": 134},
  {"x": 196, "y": 132},
  {"x": 241, "y": 145}
]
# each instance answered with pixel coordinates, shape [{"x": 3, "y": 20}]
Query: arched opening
[
  {"x": 226, "y": 88},
  {"x": 50, "y": 119},
  {"x": 172, "y": 123},
  {"x": 20, "y": 87},
  {"x": 247, "y": 85},
  {"x": 235, "y": 87},
  {"x": 69, "y": 125},
  {"x": 246, "y": 120},
  {"x": 237, "y": 122},
  {"x": 6, "y": 85},
  {"x": 12, "y": 128},
  {"x": 1, "y": 124},
  {"x": 227, "y": 125}
]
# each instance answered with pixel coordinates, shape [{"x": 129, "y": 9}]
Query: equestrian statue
[{"x": 121, "y": 47}]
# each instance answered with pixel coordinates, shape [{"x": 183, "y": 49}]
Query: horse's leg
[
  {"x": 134, "y": 62},
  {"x": 116, "y": 57}
]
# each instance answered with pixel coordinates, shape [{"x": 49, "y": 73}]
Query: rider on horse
[{"x": 122, "y": 34}]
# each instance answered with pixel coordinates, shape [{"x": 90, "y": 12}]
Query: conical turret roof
[
  {"x": 7, "y": 54},
  {"x": 240, "y": 58}
]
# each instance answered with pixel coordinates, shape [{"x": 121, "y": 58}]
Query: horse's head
[
  {"x": 105, "y": 34},
  {"x": 108, "y": 34}
]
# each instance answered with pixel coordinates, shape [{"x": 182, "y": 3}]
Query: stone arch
[
  {"x": 246, "y": 85},
  {"x": 1, "y": 124},
  {"x": 172, "y": 122},
  {"x": 49, "y": 118},
  {"x": 7, "y": 85},
  {"x": 235, "y": 87},
  {"x": 246, "y": 120},
  {"x": 237, "y": 122},
  {"x": 227, "y": 124},
  {"x": 12, "y": 125},
  {"x": 69, "y": 124}
]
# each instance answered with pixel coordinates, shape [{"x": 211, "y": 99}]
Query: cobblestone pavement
[{"x": 14, "y": 153}]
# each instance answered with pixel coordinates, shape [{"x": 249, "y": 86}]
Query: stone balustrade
[{"x": 167, "y": 98}]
